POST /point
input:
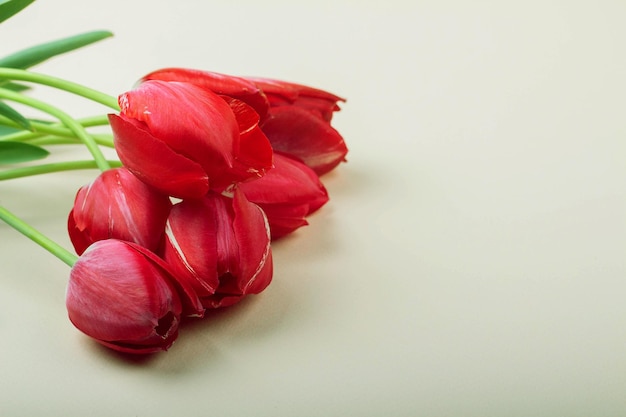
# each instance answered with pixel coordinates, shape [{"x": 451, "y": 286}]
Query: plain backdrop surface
[{"x": 470, "y": 262}]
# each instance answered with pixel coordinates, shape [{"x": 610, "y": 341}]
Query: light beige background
[{"x": 471, "y": 261}]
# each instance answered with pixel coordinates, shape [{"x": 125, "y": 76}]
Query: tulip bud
[
  {"x": 220, "y": 246},
  {"x": 287, "y": 194},
  {"x": 118, "y": 205},
  {"x": 185, "y": 140},
  {"x": 123, "y": 299}
]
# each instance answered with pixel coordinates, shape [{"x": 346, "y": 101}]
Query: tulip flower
[
  {"x": 220, "y": 246},
  {"x": 287, "y": 194},
  {"x": 118, "y": 205},
  {"x": 185, "y": 140},
  {"x": 125, "y": 299},
  {"x": 297, "y": 122}
]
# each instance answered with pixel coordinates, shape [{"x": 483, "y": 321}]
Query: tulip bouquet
[{"x": 212, "y": 168}]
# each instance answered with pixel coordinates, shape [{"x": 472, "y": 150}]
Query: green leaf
[
  {"x": 10, "y": 7},
  {"x": 13, "y": 115},
  {"x": 37, "y": 54},
  {"x": 16, "y": 152},
  {"x": 17, "y": 87},
  {"x": 8, "y": 130}
]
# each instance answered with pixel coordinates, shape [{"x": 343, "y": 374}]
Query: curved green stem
[
  {"x": 101, "y": 140},
  {"x": 42, "y": 128},
  {"x": 36, "y": 236},
  {"x": 52, "y": 167},
  {"x": 97, "y": 120},
  {"x": 52, "y": 134},
  {"x": 67, "y": 120},
  {"x": 61, "y": 84}
]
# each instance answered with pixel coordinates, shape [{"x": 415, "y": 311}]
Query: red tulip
[
  {"x": 287, "y": 194},
  {"x": 118, "y": 205},
  {"x": 185, "y": 140},
  {"x": 298, "y": 121},
  {"x": 125, "y": 298},
  {"x": 220, "y": 246}
]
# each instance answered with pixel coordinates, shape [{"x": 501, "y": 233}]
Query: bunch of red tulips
[{"x": 214, "y": 167}]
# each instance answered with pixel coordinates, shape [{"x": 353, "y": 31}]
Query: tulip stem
[
  {"x": 58, "y": 83},
  {"x": 52, "y": 167},
  {"x": 42, "y": 129},
  {"x": 66, "y": 119},
  {"x": 36, "y": 236},
  {"x": 102, "y": 140}
]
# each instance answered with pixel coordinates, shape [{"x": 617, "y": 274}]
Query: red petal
[
  {"x": 194, "y": 122},
  {"x": 155, "y": 163},
  {"x": 285, "y": 220},
  {"x": 222, "y": 84},
  {"x": 277, "y": 89},
  {"x": 192, "y": 306},
  {"x": 118, "y": 205},
  {"x": 287, "y": 194},
  {"x": 260, "y": 283},
  {"x": 253, "y": 237},
  {"x": 280, "y": 93},
  {"x": 299, "y": 133},
  {"x": 289, "y": 182},
  {"x": 191, "y": 244},
  {"x": 244, "y": 252},
  {"x": 98, "y": 300},
  {"x": 254, "y": 154},
  {"x": 77, "y": 237},
  {"x": 291, "y": 90}
]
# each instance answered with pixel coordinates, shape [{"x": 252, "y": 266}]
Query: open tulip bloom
[{"x": 211, "y": 169}]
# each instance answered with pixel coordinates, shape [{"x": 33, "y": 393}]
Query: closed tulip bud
[
  {"x": 287, "y": 194},
  {"x": 120, "y": 206},
  {"x": 124, "y": 299},
  {"x": 219, "y": 245},
  {"x": 185, "y": 140}
]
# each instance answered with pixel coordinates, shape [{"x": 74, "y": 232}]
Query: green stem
[
  {"x": 80, "y": 90},
  {"x": 52, "y": 167},
  {"x": 97, "y": 120},
  {"x": 102, "y": 140},
  {"x": 51, "y": 134},
  {"x": 72, "y": 124},
  {"x": 36, "y": 236},
  {"x": 42, "y": 128}
]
